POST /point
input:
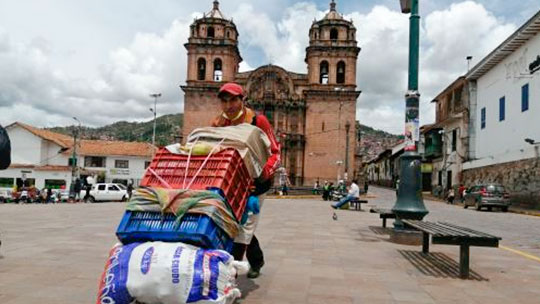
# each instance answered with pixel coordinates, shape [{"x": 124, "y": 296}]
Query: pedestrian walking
[
  {"x": 77, "y": 189},
  {"x": 316, "y": 188},
  {"x": 285, "y": 189},
  {"x": 461, "y": 192},
  {"x": 451, "y": 196},
  {"x": 326, "y": 191},
  {"x": 49, "y": 195},
  {"x": 366, "y": 186},
  {"x": 130, "y": 189},
  {"x": 87, "y": 192}
]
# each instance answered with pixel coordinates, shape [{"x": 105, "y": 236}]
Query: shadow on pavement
[
  {"x": 437, "y": 265},
  {"x": 379, "y": 230},
  {"x": 246, "y": 286}
]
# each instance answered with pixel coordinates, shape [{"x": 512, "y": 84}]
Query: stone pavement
[{"x": 55, "y": 254}]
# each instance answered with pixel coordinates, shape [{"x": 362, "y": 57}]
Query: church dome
[
  {"x": 333, "y": 14},
  {"x": 215, "y": 12}
]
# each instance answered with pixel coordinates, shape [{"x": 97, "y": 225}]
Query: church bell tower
[
  {"x": 213, "y": 59},
  {"x": 331, "y": 98}
]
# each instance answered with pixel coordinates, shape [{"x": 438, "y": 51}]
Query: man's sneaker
[{"x": 254, "y": 273}]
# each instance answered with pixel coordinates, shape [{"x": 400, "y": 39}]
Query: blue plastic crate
[{"x": 195, "y": 229}]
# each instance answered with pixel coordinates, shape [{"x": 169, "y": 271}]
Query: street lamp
[
  {"x": 410, "y": 204},
  {"x": 339, "y": 162},
  {"x": 155, "y": 96},
  {"x": 405, "y": 6},
  {"x": 347, "y": 128}
]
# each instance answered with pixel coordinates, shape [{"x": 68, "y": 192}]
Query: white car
[
  {"x": 5, "y": 195},
  {"x": 107, "y": 192}
]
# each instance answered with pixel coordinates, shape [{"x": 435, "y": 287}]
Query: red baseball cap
[{"x": 231, "y": 88}]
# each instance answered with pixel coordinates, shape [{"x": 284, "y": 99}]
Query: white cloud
[
  {"x": 383, "y": 35},
  {"x": 151, "y": 63},
  {"x": 447, "y": 37},
  {"x": 283, "y": 42},
  {"x": 34, "y": 89}
]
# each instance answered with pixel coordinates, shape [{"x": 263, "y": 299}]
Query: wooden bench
[
  {"x": 384, "y": 214},
  {"x": 357, "y": 203},
  {"x": 450, "y": 234}
]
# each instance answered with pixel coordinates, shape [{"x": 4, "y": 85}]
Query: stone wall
[{"x": 521, "y": 178}]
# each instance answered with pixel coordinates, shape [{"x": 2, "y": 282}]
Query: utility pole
[
  {"x": 74, "y": 164},
  {"x": 155, "y": 96},
  {"x": 410, "y": 204}
]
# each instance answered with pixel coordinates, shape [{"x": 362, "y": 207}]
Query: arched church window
[
  {"x": 228, "y": 34},
  {"x": 210, "y": 32},
  {"x": 340, "y": 72},
  {"x": 218, "y": 71},
  {"x": 201, "y": 69},
  {"x": 323, "y": 77},
  {"x": 333, "y": 34},
  {"x": 316, "y": 35}
]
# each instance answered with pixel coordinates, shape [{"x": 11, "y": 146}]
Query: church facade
[{"x": 313, "y": 114}]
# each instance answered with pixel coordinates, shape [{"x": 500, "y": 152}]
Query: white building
[
  {"x": 504, "y": 111},
  {"x": 43, "y": 158},
  {"x": 446, "y": 140}
]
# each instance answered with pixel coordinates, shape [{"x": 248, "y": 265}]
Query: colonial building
[
  {"x": 504, "y": 114},
  {"x": 446, "y": 141},
  {"x": 43, "y": 158},
  {"x": 313, "y": 114},
  {"x": 384, "y": 169}
]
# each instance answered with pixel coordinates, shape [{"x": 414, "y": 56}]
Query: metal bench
[
  {"x": 450, "y": 234},
  {"x": 357, "y": 203},
  {"x": 384, "y": 214}
]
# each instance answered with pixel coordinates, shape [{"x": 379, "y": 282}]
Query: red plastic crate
[{"x": 225, "y": 170}]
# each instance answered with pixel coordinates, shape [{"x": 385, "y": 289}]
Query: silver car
[{"x": 487, "y": 195}]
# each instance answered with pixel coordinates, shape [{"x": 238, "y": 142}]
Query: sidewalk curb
[
  {"x": 292, "y": 196},
  {"x": 370, "y": 196},
  {"x": 512, "y": 210}
]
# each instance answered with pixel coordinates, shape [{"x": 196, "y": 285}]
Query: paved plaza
[{"x": 56, "y": 253}]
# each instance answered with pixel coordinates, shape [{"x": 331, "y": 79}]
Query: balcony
[
  {"x": 433, "y": 151},
  {"x": 434, "y": 144}
]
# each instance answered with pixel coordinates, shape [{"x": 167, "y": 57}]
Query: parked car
[
  {"x": 487, "y": 195},
  {"x": 5, "y": 195},
  {"x": 107, "y": 192}
]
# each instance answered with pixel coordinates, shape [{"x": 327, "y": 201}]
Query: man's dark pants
[{"x": 253, "y": 253}]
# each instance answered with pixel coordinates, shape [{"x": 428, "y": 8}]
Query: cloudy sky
[{"x": 99, "y": 60}]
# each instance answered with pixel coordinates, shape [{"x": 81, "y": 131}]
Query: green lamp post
[{"x": 409, "y": 203}]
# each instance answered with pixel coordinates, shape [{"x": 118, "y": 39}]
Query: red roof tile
[{"x": 93, "y": 147}]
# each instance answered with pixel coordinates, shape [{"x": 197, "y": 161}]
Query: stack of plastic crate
[{"x": 224, "y": 173}]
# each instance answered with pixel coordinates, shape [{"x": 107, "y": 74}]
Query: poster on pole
[{"x": 412, "y": 130}]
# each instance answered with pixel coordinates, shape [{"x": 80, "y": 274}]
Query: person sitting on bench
[{"x": 354, "y": 194}]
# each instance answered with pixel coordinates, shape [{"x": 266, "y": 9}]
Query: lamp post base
[{"x": 409, "y": 204}]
